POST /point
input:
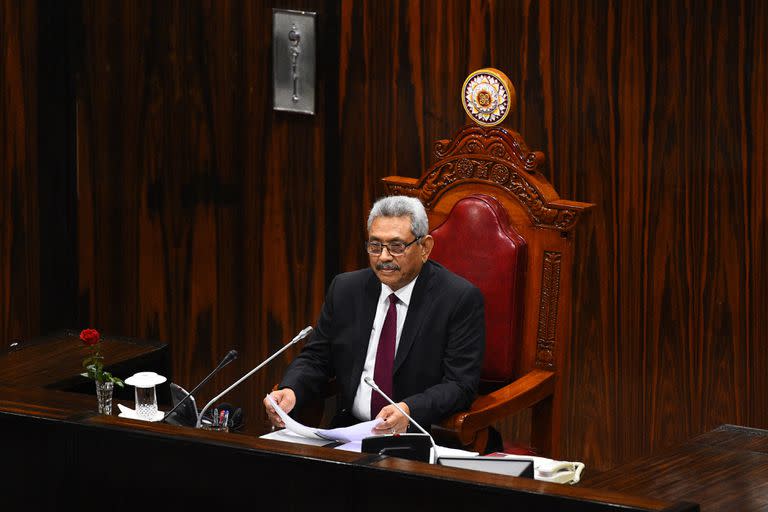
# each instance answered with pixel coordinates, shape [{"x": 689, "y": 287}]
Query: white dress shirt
[{"x": 361, "y": 407}]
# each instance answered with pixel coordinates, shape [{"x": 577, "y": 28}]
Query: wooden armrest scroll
[{"x": 517, "y": 396}]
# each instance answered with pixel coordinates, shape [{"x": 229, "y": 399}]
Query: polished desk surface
[
  {"x": 724, "y": 469},
  {"x": 56, "y": 361},
  {"x": 59, "y": 412},
  {"x": 57, "y": 434}
]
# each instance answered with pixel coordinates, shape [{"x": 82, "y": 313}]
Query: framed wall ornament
[{"x": 488, "y": 96}]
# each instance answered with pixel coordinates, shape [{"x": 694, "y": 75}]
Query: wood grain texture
[
  {"x": 209, "y": 222},
  {"x": 198, "y": 205},
  {"x": 668, "y": 355},
  {"x": 655, "y": 111},
  {"x": 60, "y": 431},
  {"x": 55, "y": 362},
  {"x": 19, "y": 253},
  {"x": 701, "y": 470}
]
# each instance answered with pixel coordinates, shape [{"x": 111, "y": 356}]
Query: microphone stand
[
  {"x": 303, "y": 334},
  {"x": 231, "y": 356},
  {"x": 375, "y": 387}
]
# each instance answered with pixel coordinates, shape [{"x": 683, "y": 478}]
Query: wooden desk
[
  {"x": 57, "y": 452},
  {"x": 55, "y": 362},
  {"x": 61, "y": 456},
  {"x": 725, "y": 469}
]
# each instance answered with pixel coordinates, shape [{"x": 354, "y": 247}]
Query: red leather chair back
[{"x": 477, "y": 242}]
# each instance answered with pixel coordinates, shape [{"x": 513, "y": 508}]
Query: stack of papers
[
  {"x": 294, "y": 432},
  {"x": 351, "y": 438}
]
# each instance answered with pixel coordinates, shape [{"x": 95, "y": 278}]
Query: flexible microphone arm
[
  {"x": 303, "y": 334},
  {"x": 376, "y": 388},
  {"x": 231, "y": 356}
]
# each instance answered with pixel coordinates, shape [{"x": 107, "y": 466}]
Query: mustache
[{"x": 387, "y": 266}]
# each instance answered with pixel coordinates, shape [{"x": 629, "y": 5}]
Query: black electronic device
[
  {"x": 231, "y": 356},
  {"x": 185, "y": 413},
  {"x": 404, "y": 446}
]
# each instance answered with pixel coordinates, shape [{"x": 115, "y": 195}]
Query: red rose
[{"x": 90, "y": 336}]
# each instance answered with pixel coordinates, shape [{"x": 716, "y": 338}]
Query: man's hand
[
  {"x": 394, "y": 421},
  {"x": 286, "y": 399}
]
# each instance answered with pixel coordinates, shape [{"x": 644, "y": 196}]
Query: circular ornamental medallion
[{"x": 488, "y": 96}]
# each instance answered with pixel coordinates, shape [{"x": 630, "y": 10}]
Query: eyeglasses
[{"x": 394, "y": 248}]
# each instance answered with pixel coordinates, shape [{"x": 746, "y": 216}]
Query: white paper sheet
[
  {"x": 350, "y": 434},
  {"x": 291, "y": 424},
  {"x": 352, "y": 437},
  {"x": 289, "y": 437},
  {"x": 342, "y": 435},
  {"x": 127, "y": 412},
  {"x": 442, "y": 451},
  {"x": 354, "y": 446}
]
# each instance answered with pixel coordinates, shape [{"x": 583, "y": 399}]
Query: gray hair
[{"x": 400, "y": 206}]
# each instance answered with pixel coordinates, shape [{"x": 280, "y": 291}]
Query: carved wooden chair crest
[{"x": 500, "y": 224}]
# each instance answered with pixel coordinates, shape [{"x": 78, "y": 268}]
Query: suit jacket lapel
[
  {"x": 366, "y": 315},
  {"x": 417, "y": 312}
]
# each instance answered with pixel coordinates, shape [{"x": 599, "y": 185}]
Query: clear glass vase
[{"x": 104, "y": 392}]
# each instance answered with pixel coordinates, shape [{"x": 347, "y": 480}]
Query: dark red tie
[{"x": 385, "y": 357}]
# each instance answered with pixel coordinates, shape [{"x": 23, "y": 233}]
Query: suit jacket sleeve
[{"x": 310, "y": 372}]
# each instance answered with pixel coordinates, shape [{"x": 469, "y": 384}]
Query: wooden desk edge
[{"x": 69, "y": 407}]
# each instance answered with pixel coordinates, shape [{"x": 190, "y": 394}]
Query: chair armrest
[{"x": 516, "y": 396}]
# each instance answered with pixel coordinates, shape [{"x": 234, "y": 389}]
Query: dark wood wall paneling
[
  {"x": 57, "y": 160},
  {"x": 201, "y": 210},
  {"x": 655, "y": 111},
  {"x": 19, "y": 232},
  {"x": 667, "y": 332},
  {"x": 208, "y": 221}
]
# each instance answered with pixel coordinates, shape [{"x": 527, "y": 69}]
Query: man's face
[{"x": 397, "y": 271}]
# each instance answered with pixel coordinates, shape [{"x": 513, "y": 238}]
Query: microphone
[
  {"x": 303, "y": 334},
  {"x": 231, "y": 356},
  {"x": 376, "y": 388}
]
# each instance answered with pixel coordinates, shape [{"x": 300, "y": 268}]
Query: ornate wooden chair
[{"x": 500, "y": 224}]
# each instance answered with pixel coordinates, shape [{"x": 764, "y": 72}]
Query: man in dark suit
[{"x": 410, "y": 324}]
